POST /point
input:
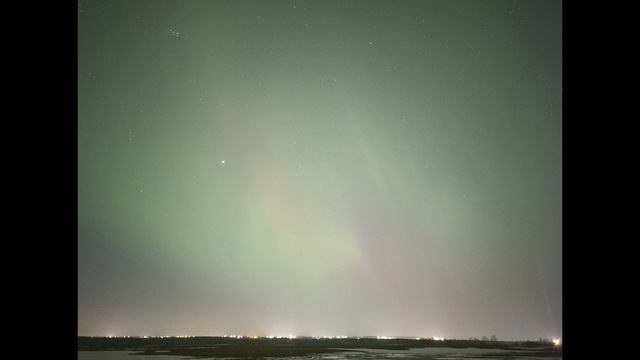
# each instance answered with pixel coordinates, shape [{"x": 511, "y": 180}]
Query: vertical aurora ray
[{"x": 356, "y": 167}]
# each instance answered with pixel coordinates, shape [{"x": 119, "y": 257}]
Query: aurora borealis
[{"x": 320, "y": 167}]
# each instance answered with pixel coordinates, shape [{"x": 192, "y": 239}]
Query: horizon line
[{"x": 320, "y": 337}]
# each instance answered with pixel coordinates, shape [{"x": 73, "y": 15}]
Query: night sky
[{"x": 320, "y": 168}]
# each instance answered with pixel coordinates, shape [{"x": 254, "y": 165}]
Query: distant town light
[{"x": 556, "y": 342}]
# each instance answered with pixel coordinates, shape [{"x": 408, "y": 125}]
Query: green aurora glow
[{"x": 320, "y": 167}]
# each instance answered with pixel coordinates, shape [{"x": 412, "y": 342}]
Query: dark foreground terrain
[{"x": 248, "y": 348}]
